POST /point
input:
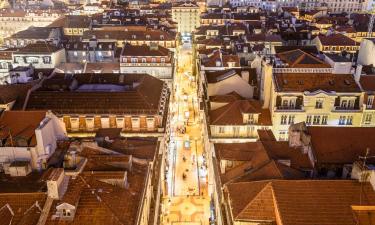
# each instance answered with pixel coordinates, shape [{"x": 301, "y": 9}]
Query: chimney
[
  {"x": 358, "y": 72},
  {"x": 245, "y": 75},
  {"x": 154, "y": 47}
]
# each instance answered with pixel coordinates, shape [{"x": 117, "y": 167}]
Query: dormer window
[
  {"x": 162, "y": 60},
  {"x": 161, "y": 37},
  {"x": 288, "y": 102},
  {"x": 319, "y": 104},
  {"x": 370, "y": 101},
  {"x": 134, "y": 36},
  {"x": 144, "y": 60},
  {"x": 134, "y": 60},
  {"x": 148, "y": 37}
]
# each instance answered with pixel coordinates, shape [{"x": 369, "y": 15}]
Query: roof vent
[
  {"x": 285, "y": 81},
  {"x": 347, "y": 82},
  {"x": 300, "y": 82},
  {"x": 331, "y": 82}
]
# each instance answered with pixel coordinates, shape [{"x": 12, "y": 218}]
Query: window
[
  {"x": 344, "y": 104},
  {"x": 342, "y": 120},
  {"x": 282, "y": 136},
  {"x": 368, "y": 118},
  {"x": 319, "y": 104},
  {"x": 291, "y": 119},
  {"x": 75, "y": 53},
  {"x": 370, "y": 101},
  {"x": 221, "y": 130},
  {"x": 283, "y": 120},
  {"x": 285, "y": 103},
  {"x": 349, "y": 120},
  {"x": 316, "y": 120},
  {"x": 236, "y": 131},
  {"x": 308, "y": 120},
  {"x": 324, "y": 120}
]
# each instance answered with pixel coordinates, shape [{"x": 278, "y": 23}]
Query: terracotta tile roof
[
  {"x": 154, "y": 35},
  {"x": 141, "y": 94},
  {"x": 10, "y": 93},
  {"x": 142, "y": 148},
  {"x": 230, "y": 97},
  {"x": 300, "y": 82},
  {"x": 224, "y": 59},
  {"x": 144, "y": 50},
  {"x": 249, "y": 151},
  {"x": 312, "y": 50},
  {"x": 107, "y": 67},
  {"x": 300, "y": 59},
  {"x": 308, "y": 202},
  {"x": 231, "y": 114},
  {"x": 34, "y": 33},
  {"x": 77, "y": 21},
  {"x": 367, "y": 83},
  {"x": 337, "y": 40},
  {"x": 5, "y": 55},
  {"x": 217, "y": 76},
  {"x": 341, "y": 145},
  {"x": 272, "y": 170},
  {"x": 261, "y": 152},
  {"x": 20, "y": 124},
  {"x": 263, "y": 38},
  {"x": 37, "y": 48},
  {"x": 103, "y": 203},
  {"x": 25, "y": 206}
]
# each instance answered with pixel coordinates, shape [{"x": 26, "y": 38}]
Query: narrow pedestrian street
[{"x": 187, "y": 199}]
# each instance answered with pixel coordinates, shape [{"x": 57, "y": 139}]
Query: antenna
[{"x": 364, "y": 158}]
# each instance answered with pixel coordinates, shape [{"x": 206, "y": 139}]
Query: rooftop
[
  {"x": 314, "y": 201},
  {"x": 17, "y": 128},
  {"x": 311, "y": 82},
  {"x": 98, "y": 93}
]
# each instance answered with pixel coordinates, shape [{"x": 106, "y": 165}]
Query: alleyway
[{"x": 187, "y": 200}]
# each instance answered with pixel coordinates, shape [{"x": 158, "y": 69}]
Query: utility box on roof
[{"x": 19, "y": 168}]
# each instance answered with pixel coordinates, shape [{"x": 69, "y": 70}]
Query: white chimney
[
  {"x": 245, "y": 75},
  {"x": 358, "y": 72}
]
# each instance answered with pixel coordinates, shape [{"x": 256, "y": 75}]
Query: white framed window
[
  {"x": 342, "y": 120},
  {"x": 324, "y": 120},
  {"x": 349, "y": 120},
  {"x": 150, "y": 123},
  {"x": 319, "y": 103},
  {"x": 120, "y": 121},
  {"x": 368, "y": 118},
  {"x": 291, "y": 119},
  {"x": 74, "y": 123},
  {"x": 221, "y": 130},
  {"x": 370, "y": 101},
  {"x": 282, "y": 136},
  {"x": 283, "y": 119},
  {"x": 308, "y": 119},
  {"x": 104, "y": 122},
  {"x": 136, "y": 124},
  {"x": 90, "y": 125}
]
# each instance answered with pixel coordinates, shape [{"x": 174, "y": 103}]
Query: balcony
[
  {"x": 147, "y": 64},
  {"x": 289, "y": 108},
  {"x": 346, "y": 109}
]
